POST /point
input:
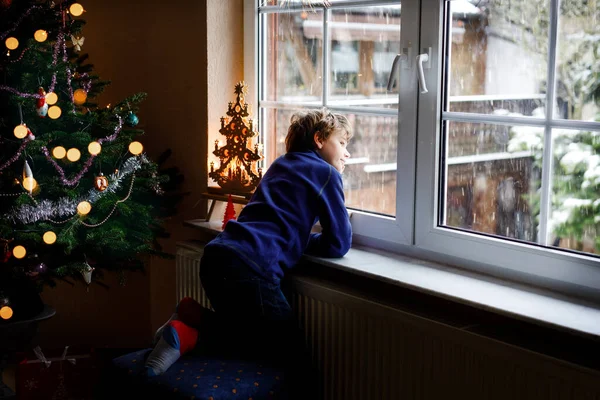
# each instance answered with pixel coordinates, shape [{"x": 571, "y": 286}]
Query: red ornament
[
  {"x": 6, "y": 256},
  {"x": 40, "y": 105},
  {"x": 229, "y": 212},
  {"x": 5, "y": 3}
]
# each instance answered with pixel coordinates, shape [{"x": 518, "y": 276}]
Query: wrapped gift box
[{"x": 52, "y": 376}]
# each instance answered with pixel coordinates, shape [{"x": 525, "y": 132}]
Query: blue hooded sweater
[{"x": 274, "y": 229}]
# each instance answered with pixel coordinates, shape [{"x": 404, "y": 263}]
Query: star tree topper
[{"x": 237, "y": 172}]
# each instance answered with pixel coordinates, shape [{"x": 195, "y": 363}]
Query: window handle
[
  {"x": 395, "y": 70},
  {"x": 422, "y": 58}
]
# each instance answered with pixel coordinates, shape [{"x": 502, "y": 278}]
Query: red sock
[
  {"x": 189, "y": 311},
  {"x": 186, "y": 336}
]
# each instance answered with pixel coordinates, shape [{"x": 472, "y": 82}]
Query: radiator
[{"x": 366, "y": 350}]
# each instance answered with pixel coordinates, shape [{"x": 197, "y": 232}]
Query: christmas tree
[
  {"x": 237, "y": 171},
  {"x": 78, "y": 196},
  {"x": 229, "y": 212}
]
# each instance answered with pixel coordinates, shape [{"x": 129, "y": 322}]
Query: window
[{"x": 496, "y": 166}]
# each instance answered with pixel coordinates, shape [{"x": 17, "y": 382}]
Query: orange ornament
[{"x": 100, "y": 183}]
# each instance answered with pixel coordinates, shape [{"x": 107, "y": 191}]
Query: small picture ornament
[{"x": 100, "y": 183}]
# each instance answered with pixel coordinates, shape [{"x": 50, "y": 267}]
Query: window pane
[
  {"x": 578, "y": 58},
  {"x": 294, "y": 62},
  {"x": 370, "y": 174},
  {"x": 364, "y": 43},
  {"x": 575, "y": 218},
  {"x": 490, "y": 182},
  {"x": 306, "y": 3},
  {"x": 498, "y": 56}
]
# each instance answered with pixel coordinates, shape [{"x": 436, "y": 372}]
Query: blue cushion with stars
[{"x": 206, "y": 378}]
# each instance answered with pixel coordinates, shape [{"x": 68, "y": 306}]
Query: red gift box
[{"x": 68, "y": 376}]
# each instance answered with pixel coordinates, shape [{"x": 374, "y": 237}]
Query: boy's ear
[{"x": 318, "y": 139}]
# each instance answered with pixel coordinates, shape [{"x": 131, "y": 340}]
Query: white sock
[
  {"x": 161, "y": 358},
  {"x": 160, "y": 330}
]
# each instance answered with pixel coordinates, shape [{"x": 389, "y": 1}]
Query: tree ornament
[
  {"x": 236, "y": 172},
  {"x": 22, "y": 131},
  {"x": 6, "y": 253},
  {"x": 77, "y": 42},
  {"x": 41, "y": 107},
  {"x": 229, "y": 212},
  {"x": 29, "y": 182},
  {"x": 4, "y": 4},
  {"x": 132, "y": 119},
  {"x": 86, "y": 272},
  {"x": 100, "y": 183}
]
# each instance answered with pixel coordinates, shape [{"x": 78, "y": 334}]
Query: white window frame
[{"x": 414, "y": 230}]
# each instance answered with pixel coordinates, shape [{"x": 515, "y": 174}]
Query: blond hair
[{"x": 304, "y": 125}]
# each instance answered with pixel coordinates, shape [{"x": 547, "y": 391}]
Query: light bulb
[
  {"x": 84, "y": 208},
  {"x": 51, "y": 98},
  {"x": 54, "y": 112},
  {"x": 136, "y": 148},
  {"x": 79, "y": 96},
  {"x": 29, "y": 184},
  {"x": 40, "y": 35},
  {"x": 12, "y": 43},
  {"x": 49, "y": 237},
  {"x": 19, "y": 251},
  {"x": 59, "y": 152},
  {"x": 20, "y": 131},
  {"x": 73, "y": 154},
  {"x": 6, "y": 312},
  {"x": 76, "y": 9},
  {"x": 94, "y": 148}
]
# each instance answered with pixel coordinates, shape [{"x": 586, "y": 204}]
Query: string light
[
  {"x": 136, "y": 148},
  {"x": 47, "y": 210},
  {"x": 51, "y": 98},
  {"x": 79, "y": 97},
  {"x": 40, "y": 35},
  {"x": 73, "y": 154},
  {"x": 19, "y": 251},
  {"x": 114, "y": 207},
  {"x": 29, "y": 184},
  {"x": 20, "y": 131},
  {"x": 84, "y": 208},
  {"x": 87, "y": 165},
  {"x": 6, "y": 312},
  {"x": 11, "y": 43},
  {"x": 54, "y": 112},
  {"x": 94, "y": 148},
  {"x": 49, "y": 237},
  {"x": 59, "y": 152},
  {"x": 76, "y": 9}
]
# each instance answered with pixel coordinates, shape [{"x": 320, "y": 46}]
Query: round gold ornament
[{"x": 100, "y": 183}]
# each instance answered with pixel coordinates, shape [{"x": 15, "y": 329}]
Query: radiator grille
[{"x": 366, "y": 350}]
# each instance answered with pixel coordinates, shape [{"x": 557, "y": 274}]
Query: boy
[{"x": 242, "y": 268}]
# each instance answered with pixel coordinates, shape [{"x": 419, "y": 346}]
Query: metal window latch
[
  {"x": 423, "y": 62},
  {"x": 405, "y": 57}
]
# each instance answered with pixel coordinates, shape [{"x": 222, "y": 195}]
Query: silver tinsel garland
[{"x": 46, "y": 209}]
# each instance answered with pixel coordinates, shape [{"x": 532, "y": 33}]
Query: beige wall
[
  {"x": 187, "y": 55},
  {"x": 225, "y": 63}
]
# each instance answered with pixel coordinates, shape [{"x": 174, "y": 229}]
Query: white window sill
[{"x": 509, "y": 299}]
